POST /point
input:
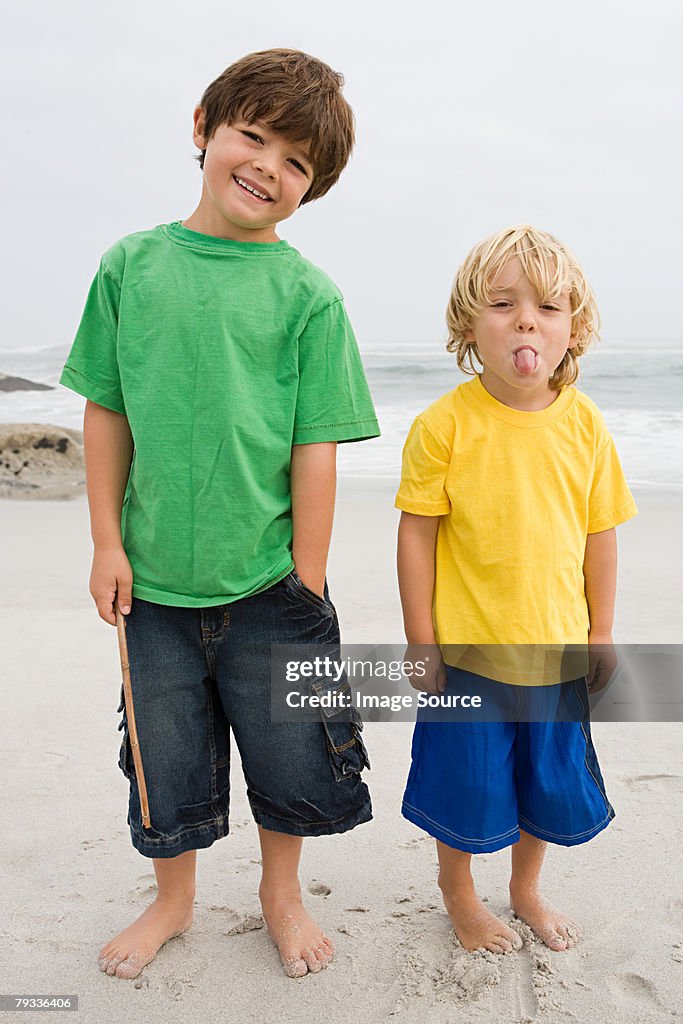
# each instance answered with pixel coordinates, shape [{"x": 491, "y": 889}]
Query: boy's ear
[
  {"x": 573, "y": 341},
  {"x": 198, "y": 128}
]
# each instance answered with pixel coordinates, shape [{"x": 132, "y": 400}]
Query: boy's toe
[
  {"x": 114, "y": 963},
  {"x": 494, "y": 947},
  {"x": 295, "y": 967},
  {"x": 314, "y": 965},
  {"x": 129, "y": 968},
  {"x": 323, "y": 955}
]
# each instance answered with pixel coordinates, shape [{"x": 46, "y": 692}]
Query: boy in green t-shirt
[{"x": 220, "y": 371}]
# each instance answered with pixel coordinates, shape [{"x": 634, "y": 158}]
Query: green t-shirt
[{"x": 222, "y": 355}]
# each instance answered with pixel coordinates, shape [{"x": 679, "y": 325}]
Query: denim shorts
[
  {"x": 197, "y": 673},
  {"x": 527, "y": 763}
]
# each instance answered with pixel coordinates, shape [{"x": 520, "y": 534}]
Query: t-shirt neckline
[
  {"x": 519, "y": 417},
  {"x": 181, "y": 235}
]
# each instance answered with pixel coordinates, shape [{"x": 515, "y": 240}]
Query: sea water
[{"x": 638, "y": 385}]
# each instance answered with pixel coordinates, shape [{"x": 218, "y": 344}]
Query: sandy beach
[{"x": 71, "y": 879}]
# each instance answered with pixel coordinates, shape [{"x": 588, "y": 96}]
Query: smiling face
[
  {"x": 522, "y": 338},
  {"x": 253, "y": 178}
]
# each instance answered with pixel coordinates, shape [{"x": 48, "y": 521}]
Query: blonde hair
[{"x": 550, "y": 268}]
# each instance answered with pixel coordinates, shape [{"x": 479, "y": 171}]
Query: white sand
[{"x": 71, "y": 879}]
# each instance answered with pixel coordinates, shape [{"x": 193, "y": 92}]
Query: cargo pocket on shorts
[
  {"x": 348, "y": 754},
  {"x": 343, "y": 729},
  {"x": 126, "y": 763}
]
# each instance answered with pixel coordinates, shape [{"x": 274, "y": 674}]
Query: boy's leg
[
  {"x": 555, "y": 929},
  {"x": 170, "y": 914},
  {"x": 561, "y": 797},
  {"x": 475, "y": 926},
  {"x": 302, "y": 944},
  {"x": 184, "y": 746},
  {"x": 303, "y": 778}
]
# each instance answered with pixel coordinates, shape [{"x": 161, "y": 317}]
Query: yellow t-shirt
[{"x": 518, "y": 492}]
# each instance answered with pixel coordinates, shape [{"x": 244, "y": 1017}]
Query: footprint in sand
[
  {"x": 633, "y": 990},
  {"x": 638, "y": 782},
  {"x": 319, "y": 889},
  {"x": 88, "y": 844}
]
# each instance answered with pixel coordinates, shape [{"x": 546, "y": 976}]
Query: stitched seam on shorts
[
  {"x": 464, "y": 839},
  {"x": 212, "y": 751},
  {"x": 588, "y": 768},
  {"x": 175, "y": 840},
  {"x": 589, "y": 743},
  {"x": 344, "y": 746},
  {"x": 559, "y": 835}
]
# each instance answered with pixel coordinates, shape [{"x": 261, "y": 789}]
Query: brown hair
[
  {"x": 549, "y": 266},
  {"x": 293, "y": 93}
]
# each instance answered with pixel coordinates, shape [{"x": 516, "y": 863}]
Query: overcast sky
[{"x": 469, "y": 116}]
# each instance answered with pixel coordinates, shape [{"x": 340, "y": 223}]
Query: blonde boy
[{"x": 510, "y": 492}]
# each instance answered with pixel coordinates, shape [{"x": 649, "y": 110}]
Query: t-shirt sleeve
[
  {"x": 92, "y": 367},
  {"x": 333, "y": 401},
  {"x": 610, "y": 501},
  {"x": 426, "y": 461}
]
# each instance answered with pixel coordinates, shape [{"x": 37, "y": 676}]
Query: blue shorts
[
  {"x": 473, "y": 784},
  {"x": 197, "y": 674}
]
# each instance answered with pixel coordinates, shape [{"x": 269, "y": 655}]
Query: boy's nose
[
  {"x": 266, "y": 167},
  {"x": 526, "y": 323}
]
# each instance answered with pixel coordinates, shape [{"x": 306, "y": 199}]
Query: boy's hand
[
  {"x": 314, "y": 582},
  {"x": 602, "y": 661},
  {"x": 429, "y": 657},
  {"x": 111, "y": 574}
]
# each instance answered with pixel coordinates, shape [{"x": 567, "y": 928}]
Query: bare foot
[
  {"x": 554, "y": 928},
  {"x": 476, "y": 927},
  {"x": 302, "y": 945},
  {"x": 138, "y": 944}
]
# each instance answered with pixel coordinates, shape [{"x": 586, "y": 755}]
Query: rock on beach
[
  {"x": 8, "y": 383},
  {"x": 39, "y": 461}
]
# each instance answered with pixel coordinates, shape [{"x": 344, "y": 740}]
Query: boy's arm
[
  {"x": 600, "y": 580},
  {"x": 416, "y": 576},
  {"x": 108, "y": 446},
  {"x": 313, "y": 480}
]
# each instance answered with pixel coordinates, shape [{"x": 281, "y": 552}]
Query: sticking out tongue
[{"x": 525, "y": 360}]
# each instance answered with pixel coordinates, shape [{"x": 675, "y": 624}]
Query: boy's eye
[
  {"x": 252, "y": 135},
  {"x": 550, "y": 305},
  {"x": 501, "y": 304},
  {"x": 299, "y": 167}
]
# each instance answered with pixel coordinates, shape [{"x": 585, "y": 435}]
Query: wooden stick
[{"x": 130, "y": 714}]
